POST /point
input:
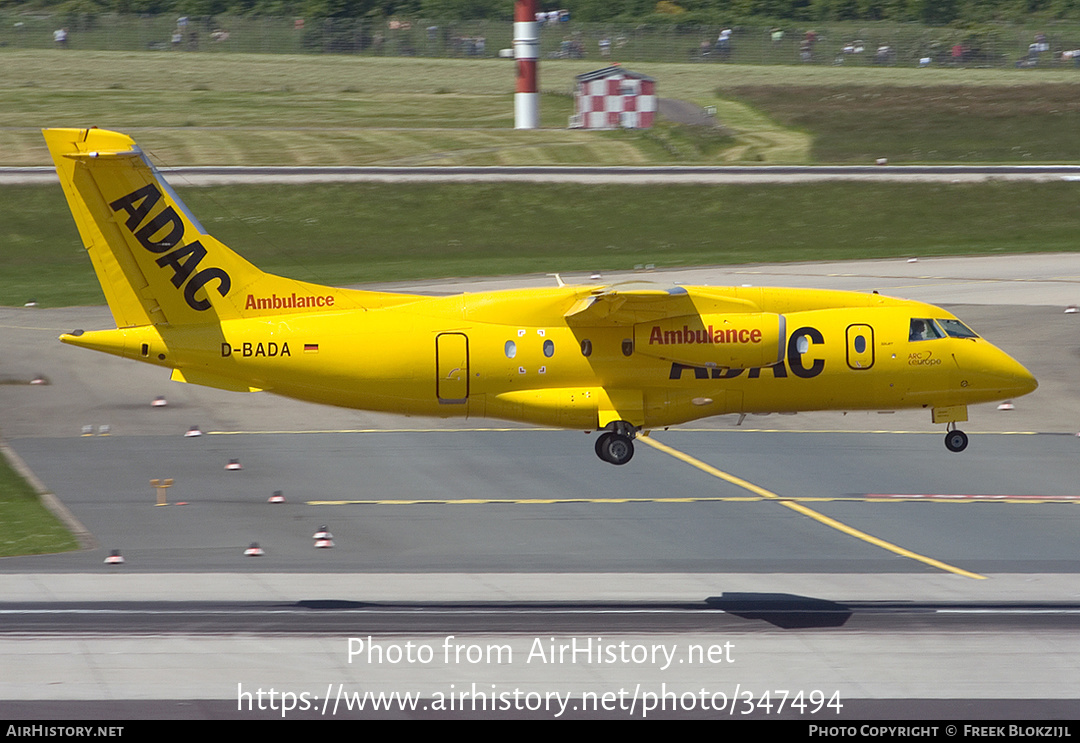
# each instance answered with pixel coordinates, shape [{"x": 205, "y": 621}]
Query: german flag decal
[{"x": 311, "y": 348}]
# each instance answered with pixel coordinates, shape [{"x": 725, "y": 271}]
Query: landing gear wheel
[
  {"x": 615, "y": 448},
  {"x": 601, "y": 444},
  {"x": 956, "y": 440}
]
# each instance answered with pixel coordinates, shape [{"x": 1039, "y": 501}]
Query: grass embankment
[
  {"x": 213, "y": 109},
  {"x": 244, "y": 109},
  {"x": 941, "y": 124},
  {"x": 345, "y": 234},
  {"x": 29, "y": 529}
]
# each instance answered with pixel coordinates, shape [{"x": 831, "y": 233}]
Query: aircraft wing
[{"x": 638, "y": 302}]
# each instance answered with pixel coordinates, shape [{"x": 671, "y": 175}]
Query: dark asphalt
[{"x": 105, "y": 481}]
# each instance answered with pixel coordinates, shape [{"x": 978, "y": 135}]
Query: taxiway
[{"x": 810, "y": 515}]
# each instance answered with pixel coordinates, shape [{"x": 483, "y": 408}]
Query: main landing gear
[
  {"x": 616, "y": 446},
  {"x": 955, "y": 439}
]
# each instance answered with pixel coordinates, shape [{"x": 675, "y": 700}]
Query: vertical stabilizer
[
  {"x": 123, "y": 282},
  {"x": 155, "y": 262}
]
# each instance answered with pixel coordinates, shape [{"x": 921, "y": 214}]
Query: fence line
[{"x": 883, "y": 44}]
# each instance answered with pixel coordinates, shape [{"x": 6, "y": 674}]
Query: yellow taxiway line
[
  {"x": 870, "y": 498},
  {"x": 518, "y": 501},
  {"x": 799, "y": 508},
  {"x": 760, "y": 493},
  {"x": 377, "y": 430},
  {"x": 533, "y": 429}
]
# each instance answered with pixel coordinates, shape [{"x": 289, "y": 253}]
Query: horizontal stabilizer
[{"x": 209, "y": 379}]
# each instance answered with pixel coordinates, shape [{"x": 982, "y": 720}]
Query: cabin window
[
  {"x": 924, "y": 329},
  {"x": 860, "y": 344},
  {"x": 510, "y": 349},
  {"x": 957, "y": 329},
  {"x": 549, "y": 348},
  {"x": 586, "y": 348},
  {"x": 627, "y": 347}
]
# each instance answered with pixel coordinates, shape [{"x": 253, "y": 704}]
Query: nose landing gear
[{"x": 955, "y": 439}]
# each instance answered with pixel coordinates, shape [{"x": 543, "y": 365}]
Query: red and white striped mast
[{"x": 526, "y": 54}]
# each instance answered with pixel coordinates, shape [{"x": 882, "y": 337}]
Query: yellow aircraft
[{"x": 621, "y": 359}]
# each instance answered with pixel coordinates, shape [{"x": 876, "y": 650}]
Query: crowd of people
[{"x": 575, "y": 45}]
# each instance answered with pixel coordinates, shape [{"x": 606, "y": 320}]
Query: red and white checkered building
[{"x": 614, "y": 98}]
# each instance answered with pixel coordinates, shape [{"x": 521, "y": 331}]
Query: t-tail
[
  {"x": 162, "y": 274},
  {"x": 156, "y": 263}
]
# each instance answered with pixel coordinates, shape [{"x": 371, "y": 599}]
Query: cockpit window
[
  {"x": 924, "y": 329},
  {"x": 957, "y": 329}
]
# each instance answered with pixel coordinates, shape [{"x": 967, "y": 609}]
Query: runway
[
  {"x": 851, "y": 555},
  {"x": 524, "y": 501}
]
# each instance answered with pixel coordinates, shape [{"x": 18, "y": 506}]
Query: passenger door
[
  {"x": 860, "y": 346},
  {"x": 452, "y": 368}
]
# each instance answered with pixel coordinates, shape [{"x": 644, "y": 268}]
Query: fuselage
[
  {"x": 622, "y": 358},
  {"x": 515, "y": 355}
]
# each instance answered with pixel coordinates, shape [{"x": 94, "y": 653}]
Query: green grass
[
  {"x": 347, "y": 234},
  {"x": 29, "y": 529},
  {"x": 91, "y": 73},
  {"x": 246, "y": 109},
  {"x": 940, "y": 124},
  {"x": 210, "y": 107}
]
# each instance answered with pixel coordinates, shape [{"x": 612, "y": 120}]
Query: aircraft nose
[
  {"x": 999, "y": 372},
  {"x": 1015, "y": 375},
  {"x": 1019, "y": 381},
  {"x": 1026, "y": 380}
]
